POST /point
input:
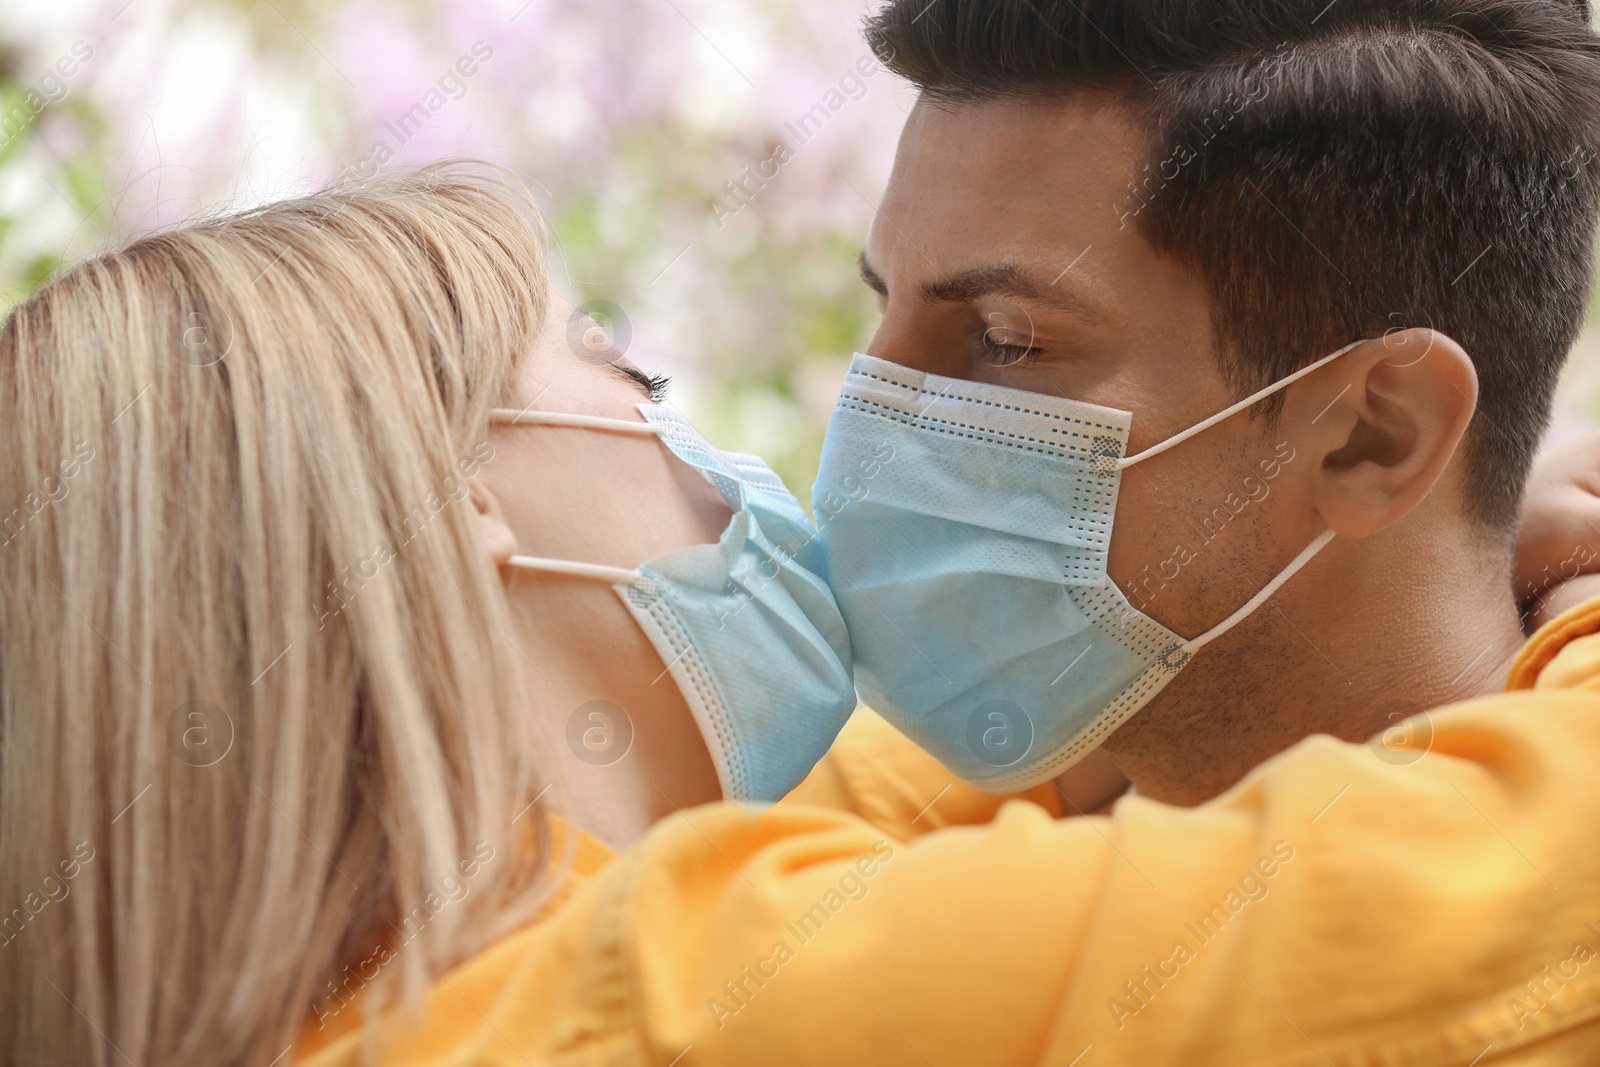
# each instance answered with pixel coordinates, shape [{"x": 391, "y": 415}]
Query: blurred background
[{"x": 650, "y": 128}]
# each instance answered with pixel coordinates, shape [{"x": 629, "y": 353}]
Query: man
[
  {"x": 1162, "y": 213},
  {"x": 1404, "y": 172}
]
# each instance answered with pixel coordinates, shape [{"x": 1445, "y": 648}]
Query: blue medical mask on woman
[
  {"x": 966, "y": 529},
  {"x": 747, "y": 627}
]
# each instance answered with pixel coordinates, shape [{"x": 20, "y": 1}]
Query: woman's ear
[
  {"x": 1384, "y": 425},
  {"x": 498, "y": 540}
]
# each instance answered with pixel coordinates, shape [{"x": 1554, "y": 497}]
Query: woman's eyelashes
[
  {"x": 655, "y": 385},
  {"x": 659, "y": 385}
]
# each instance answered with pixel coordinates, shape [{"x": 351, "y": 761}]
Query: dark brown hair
[{"x": 1334, "y": 170}]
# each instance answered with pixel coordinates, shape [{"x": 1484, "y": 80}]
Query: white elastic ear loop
[
  {"x": 507, "y": 417},
  {"x": 1247, "y": 402},
  {"x": 1295, "y": 567},
  {"x": 612, "y": 575}
]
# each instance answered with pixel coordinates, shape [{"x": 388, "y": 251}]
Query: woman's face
[{"x": 614, "y": 717}]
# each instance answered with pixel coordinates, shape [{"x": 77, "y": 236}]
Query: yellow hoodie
[{"x": 1435, "y": 901}]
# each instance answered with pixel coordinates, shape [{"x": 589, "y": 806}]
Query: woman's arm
[
  {"x": 876, "y": 773},
  {"x": 1559, "y": 538},
  {"x": 1334, "y": 904}
]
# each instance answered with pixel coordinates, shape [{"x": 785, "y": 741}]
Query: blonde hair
[{"x": 258, "y": 713}]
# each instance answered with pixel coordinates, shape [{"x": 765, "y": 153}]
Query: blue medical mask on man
[
  {"x": 965, "y": 530},
  {"x": 747, "y": 627}
]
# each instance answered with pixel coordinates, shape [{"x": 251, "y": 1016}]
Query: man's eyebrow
[
  {"x": 1009, "y": 281},
  {"x": 1001, "y": 280}
]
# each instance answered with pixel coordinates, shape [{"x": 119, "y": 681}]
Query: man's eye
[{"x": 1004, "y": 355}]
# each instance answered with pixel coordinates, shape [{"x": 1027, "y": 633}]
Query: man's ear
[
  {"x": 498, "y": 540},
  {"x": 1383, "y": 424}
]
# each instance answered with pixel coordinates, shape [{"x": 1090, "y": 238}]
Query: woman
[
  {"x": 254, "y": 617},
  {"x": 297, "y": 654}
]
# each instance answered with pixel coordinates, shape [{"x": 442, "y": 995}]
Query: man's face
[{"x": 1006, "y": 250}]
